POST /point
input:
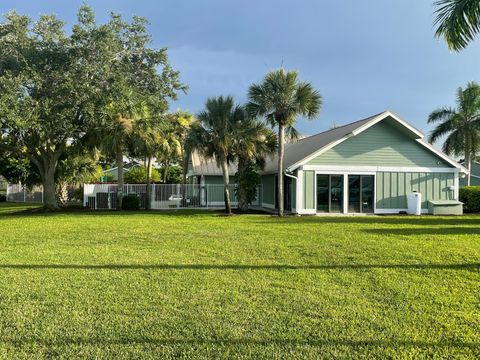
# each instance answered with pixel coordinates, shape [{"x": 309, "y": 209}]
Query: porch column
[
  {"x": 299, "y": 192},
  {"x": 345, "y": 193}
]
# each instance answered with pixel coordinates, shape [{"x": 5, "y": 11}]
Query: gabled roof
[{"x": 302, "y": 151}]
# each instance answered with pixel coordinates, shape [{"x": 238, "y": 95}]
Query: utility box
[
  {"x": 445, "y": 207},
  {"x": 414, "y": 202}
]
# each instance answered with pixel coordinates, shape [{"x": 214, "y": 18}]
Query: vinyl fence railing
[
  {"x": 163, "y": 196},
  {"x": 23, "y": 193}
]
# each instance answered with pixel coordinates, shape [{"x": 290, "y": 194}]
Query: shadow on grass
[
  {"x": 246, "y": 342},
  {"x": 425, "y": 231},
  {"x": 466, "y": 266}
]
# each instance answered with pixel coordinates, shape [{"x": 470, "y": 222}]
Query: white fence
[
  {"x": 163, "y": 196},
  {"x": 23, "y": 193}
]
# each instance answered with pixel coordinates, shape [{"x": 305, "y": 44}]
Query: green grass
[{"x": 199, "y": 285}]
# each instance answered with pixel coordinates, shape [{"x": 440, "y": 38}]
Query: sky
[{"x": 362, "y": 56}]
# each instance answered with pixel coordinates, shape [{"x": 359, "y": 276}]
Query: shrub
[
  {"x": 3, "y": 198},
  {"x": 470, "y": 196},
  {"x": 131, "y": 202},
  {"x": 78, "y": 194},
  {"x": 138, "y": 175}
]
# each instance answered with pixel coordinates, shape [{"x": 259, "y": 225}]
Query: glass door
[
  {"x": 360, "y": 193},
  {"x": 336, "y": 193},
  {"x": 367, "y": 193},
  {"x": 330, "y": 193},
  {"x": 323, "y": 186}
]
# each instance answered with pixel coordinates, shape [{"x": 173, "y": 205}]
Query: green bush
[
  {"x": 78, "y": 194},
  {"x": 138, "y": 175},
  {"x": 470, "y": 196},
  {"x": 131, "y": 202}
]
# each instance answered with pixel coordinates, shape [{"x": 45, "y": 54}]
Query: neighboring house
[
  {"x": 474, "y": 175},
  {"x": 126, "y": 168},
  {"x": 368, "y": 166}
]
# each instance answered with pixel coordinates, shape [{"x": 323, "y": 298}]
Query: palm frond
[{"x": 457, "y": 21}]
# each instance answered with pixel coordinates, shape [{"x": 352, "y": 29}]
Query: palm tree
[
  {"x": 183, "y": 121},
  {"x": 280, "y": 98},
  {"x": 152, "y": 138},
  {"x": 115, "y": 132},
  {"x": 214, "y": 135},
  {"x": 254, "y": 141},
  {"x": 458, "y": 21},
  {"x": 460, "y": 125}
]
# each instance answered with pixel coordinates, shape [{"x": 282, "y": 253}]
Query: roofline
[
  {"x": 369, "y": 124},
  {"x": 442, "y": 155}
]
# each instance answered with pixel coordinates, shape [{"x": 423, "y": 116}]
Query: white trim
[
  {"x": 442, "y": 155},
  {"x": 317, "y": 153},
  {"x": 475, "y": 176},
  {"x": 345, "y": 186},
  {"x": 299, "y": 195},
  {"x": 456, "y": 184},
  {"x": 369, "y": 124},
  {"x": 373, "y": 169},
  {"x": 306, "y": 212},
  {"x": 381, "y": 117}
]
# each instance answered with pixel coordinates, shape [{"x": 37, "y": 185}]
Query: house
[
  {"x": 368, "y": 166},
  {"x": 474, "y": 175},
  {"x": 126, "y": 168}
]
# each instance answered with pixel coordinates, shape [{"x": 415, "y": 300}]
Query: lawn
[{"x": 199, "y": 285}]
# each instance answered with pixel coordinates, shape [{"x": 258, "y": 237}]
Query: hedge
[
  {"x": 470, "y": 196},
  {"x": 131, "y": 202}
]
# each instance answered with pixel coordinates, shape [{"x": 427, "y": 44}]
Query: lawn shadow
[
  {"x": 275, "y": 267},
  {"x": 246, "y": 342},
  {"x": 425, "y": 231}
]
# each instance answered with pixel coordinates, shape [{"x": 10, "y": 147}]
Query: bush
[
  {"x": 138, "y": 175},
  {"x": 470, "y": 196},
  {"x": 131, "y": 202},
  {"x": 78, "y": 194},
  {"x": 3, "y": 198}
]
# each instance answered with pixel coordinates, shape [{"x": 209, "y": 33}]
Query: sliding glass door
[
  {"x": 360, "y": 193},
  {"x": 330, "y": 193}
]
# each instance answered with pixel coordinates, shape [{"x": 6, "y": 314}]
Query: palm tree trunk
[
  {"x": 226, "y": 192},
  {"x": 165, "y": 173},
  {"x": 241, "y": 193},
  {"x": 281, "y": 152},
  {"x": 149, "y": 183},
  {"x": 119, "y": 160}
]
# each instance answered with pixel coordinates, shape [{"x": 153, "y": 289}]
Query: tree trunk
[
  {"x": 49, "y": 193},
  {"x": 119, "y": 156},
  {"x": 241, "y": 193},
  {"x": 281, "y": 151},
  {"x": 148, "y": 205},
  {"x": 165, "y": 171},
  {"x": 226, "y": 192}
]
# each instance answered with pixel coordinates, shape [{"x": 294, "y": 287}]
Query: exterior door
[
  {"x": 330, "y": 193},
  {"x": 360, "y": 193}
]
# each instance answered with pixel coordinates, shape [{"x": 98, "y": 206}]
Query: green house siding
[
  {"x": 381, "y": 145},
  {"x": 309, "y": 190},
  {"x": 268, "y": 189},
  {"x": 392, "y": 188}
]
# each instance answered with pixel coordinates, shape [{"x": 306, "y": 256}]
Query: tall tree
[
  {"x": 56, "y": 88},
  {"x": 280, "y": 99},
  {"x": 43, "y": 101},
  {"x": 457, "y": 21},
  {"x": 183, "y": 121},
  {"x": 254, "y": 141},
  {"x": 214, "y": 135},
  {"x": 460, "y": 125}
]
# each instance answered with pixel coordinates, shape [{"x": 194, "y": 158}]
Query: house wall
[
  {"x": 392, "y": 188},
  {"x": 268, "y": 191},
  {"x": 475, "y": 175},
  {"x": 381, "y": 145}
]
